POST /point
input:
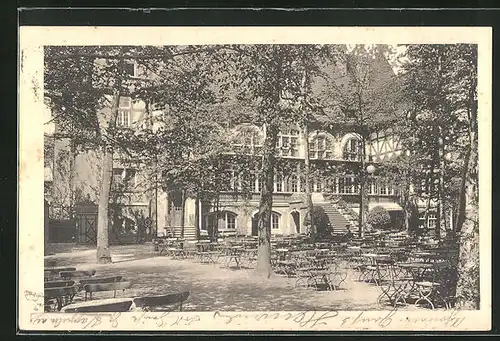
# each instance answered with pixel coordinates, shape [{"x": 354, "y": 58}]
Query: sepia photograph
[{"x": 328, "y": 185}]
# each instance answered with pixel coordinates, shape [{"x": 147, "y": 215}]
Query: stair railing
[{"x": 345, "y": 209}]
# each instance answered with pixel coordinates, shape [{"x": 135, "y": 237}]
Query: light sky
[{"x": 395, "y": 57}]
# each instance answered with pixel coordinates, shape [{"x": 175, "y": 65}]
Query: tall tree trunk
[
  {"x": 168, "y": 213},
  {"x": 309, "y": 222},
  {"x": 183, "y": 212},
  {"x": 103, "y": 252},
  {"x": 197, "y": 207},
  {"x": 467, "y": 225},
  {"x": 311, "y": 228},
  {"x": 263, "y": 266},
  {"x": 362, "y": 195},
  {"x": 442, "y": 219}
]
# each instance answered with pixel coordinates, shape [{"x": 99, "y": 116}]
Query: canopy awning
[{"x": 389, "y": 206}]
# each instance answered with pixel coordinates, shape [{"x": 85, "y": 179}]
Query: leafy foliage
[
  {"x": 322, "y": 222},
  {"x": 379, "y": 218}
]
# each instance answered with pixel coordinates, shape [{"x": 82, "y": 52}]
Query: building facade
[{"x": 141, "y": 208}]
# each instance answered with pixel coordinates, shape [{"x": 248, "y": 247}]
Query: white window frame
[
  {"x": 134, "y": 180},
  {"x": 285, "y": 139},
  {"x": 294, "y": 184},
  {"x": 431, "y": 217},
  {"x": 347, "y": 184},
  {"x": 124, "y": 113},
  {"x": 279, "y": 184},
  {"x": 277, "y": 216},
  {"x": 134, "y": 63},
  {"x": 348, "y": 153},
  {"x": 251, "y": 136},
  {"x": 321, "y": 152},
  {"x": 218, "y": 215},
  {"x": 233, "y": 216}
]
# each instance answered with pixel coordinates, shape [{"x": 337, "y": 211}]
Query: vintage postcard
[{"x": 255, "y": 178}]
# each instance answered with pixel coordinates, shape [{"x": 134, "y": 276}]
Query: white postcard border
[{"x": 31, "y": 177}]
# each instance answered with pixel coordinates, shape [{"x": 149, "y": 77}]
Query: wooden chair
[
  {"x": 100, "y": 287},
  {"x": 62, "y": 295},
  {"x": 76, "y": 273},
  {"x": 148, "y": 302}
]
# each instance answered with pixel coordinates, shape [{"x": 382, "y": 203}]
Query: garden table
[
  {"x": 287, "y": 267},
  {"x": 424, "y": 281},
  {"x": 234, "y": 254},
  {"x": 282, "y": 253},
  {"x": 373, "y": 271}
]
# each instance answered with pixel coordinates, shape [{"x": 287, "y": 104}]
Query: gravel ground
[{"x": 213, "y": 287}]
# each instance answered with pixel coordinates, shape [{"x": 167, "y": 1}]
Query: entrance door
[
  {"x": 255, "y": 225},
  {"x": 296, "y": 220}
]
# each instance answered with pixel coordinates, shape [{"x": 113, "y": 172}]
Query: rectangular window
[
  {"x": 383, "y": 189},
  {"x": 346, "y": 185},
  {"x": 279, "y": 184},
  {"x": 123, "y": 119},
  {"x": 125, "y": 102},
  {"x": 431, "y": 221},
  {"x": 294, "y": 148},
  {"x": 117, "y": 175},
  {"x": 334, "y": 185},
  {"x": 230, "y": 221},
  {"x": 275, "y": 221},
  {"x": 294, "y": 184},
  {"x": 130, "y": 69},
  {"x": 130, "y": 177},
  {"x": 253, "y": 182}
]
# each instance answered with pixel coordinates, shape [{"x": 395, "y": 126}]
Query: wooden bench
[
  {"x": 76, "y": 274},
  {"x": 100, "y": 287},
  {"x": 58, "y": 284},
  {"x": 94, "y": 280},
  {"x": 127, "y": 304},
  {"x": 148, "y": 302},
  {"x": 62, "y": 295},
  {"x": 50, "y": 273},
  {"x": 100, "y": 306},
  {"x": 99, "y": 280}
]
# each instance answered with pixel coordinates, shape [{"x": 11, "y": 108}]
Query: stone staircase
[
  {"x": 189, "y": 232},
  {"x": 338, "y": 212},
  {"x": 337, "y": 220}
]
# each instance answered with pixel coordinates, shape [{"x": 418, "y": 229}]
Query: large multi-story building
[{"x": 140, "y": 207}]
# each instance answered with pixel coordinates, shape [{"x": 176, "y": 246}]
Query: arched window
[
  {"x": 224, "y": 219},
  {"x": 293, "y": 181},
  {"x": 275, "y": 220},
  {"x": 352, "y": 149},
  {"x": 321, "y": 147},
  {"x": 248, "y": 140},
  {"x": 288, "y": 143}
]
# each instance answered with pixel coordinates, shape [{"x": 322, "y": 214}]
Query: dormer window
[
  {"x": 288, "y": 143},
  {"x": 321, "y": 147},
  {"x": 130, "y": 68},
  {"x": 352, "y": 150},
  {"x": 124, "y": 110}
]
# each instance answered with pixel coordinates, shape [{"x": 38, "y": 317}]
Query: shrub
[
  {"x": 379, "y": 218},
  {"x": 322, "y": 222}
]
